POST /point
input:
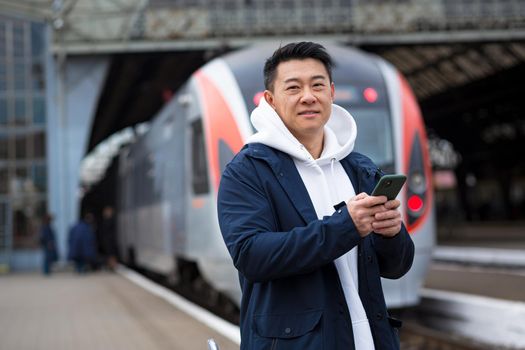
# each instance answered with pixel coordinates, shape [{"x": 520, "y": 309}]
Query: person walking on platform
[
  {"x": 294, "y": 209},
  {"x": 48, "y": 244},
  {"x": 108, "y": 235},
  {"x": 82, "y": 244}
]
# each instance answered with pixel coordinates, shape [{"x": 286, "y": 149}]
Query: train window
[
  {"x": 199, "y": 165},
  {"x": 374, "y": 135}
]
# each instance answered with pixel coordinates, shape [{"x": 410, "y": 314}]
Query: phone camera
[{"x": 388, "y": 183}]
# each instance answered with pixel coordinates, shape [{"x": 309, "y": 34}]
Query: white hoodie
[{"x": 327, "y": 184}]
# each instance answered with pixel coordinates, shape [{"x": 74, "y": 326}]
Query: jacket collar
[
  {"x": 286, "y": 173},
  {"x": 362, "y": 172}
]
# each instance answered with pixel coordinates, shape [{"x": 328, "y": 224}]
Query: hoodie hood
[{"x": 272, "y": 132}]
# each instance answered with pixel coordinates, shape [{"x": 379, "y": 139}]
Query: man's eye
[{"x": 293, "y": 87}]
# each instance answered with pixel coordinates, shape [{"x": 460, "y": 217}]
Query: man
[
  {"x": 82, "y": 244},
  {"x": 48, "y": 244},
  {"x": 309, "y": 272},
  {"x": 108, "y": 235}
]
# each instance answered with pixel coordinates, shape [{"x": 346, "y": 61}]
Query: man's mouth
[{"x": 309, "y": 113}]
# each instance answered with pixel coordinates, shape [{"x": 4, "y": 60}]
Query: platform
[
  {"x": 94, "y": 311},
  {"x": 483, "y": 244}
]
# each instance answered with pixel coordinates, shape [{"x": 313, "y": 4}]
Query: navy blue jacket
[
  {"x": 82, "y": 243},
  {"x": 48, "y": 243},
  {"x": 291, "y": 294}
]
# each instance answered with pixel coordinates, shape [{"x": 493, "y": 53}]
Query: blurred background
[{"x": 80, "y": 79}]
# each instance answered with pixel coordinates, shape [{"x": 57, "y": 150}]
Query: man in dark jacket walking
[
  {"x": 82, "y": 244},
  {"x": 48, "y": 244},
  {"x": 309, "y": 272}
]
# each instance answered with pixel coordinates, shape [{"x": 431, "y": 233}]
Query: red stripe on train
[
  {"x": 412, "y": 125},
  {"x": 219, "y": 124}
]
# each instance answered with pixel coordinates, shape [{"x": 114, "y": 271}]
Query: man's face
[{"x": 302, "y": 96}]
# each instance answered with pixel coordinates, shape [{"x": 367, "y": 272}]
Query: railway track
[{"x": 416, "y": 337}]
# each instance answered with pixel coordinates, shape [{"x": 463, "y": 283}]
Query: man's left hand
[{"x": 388, "y": 223}]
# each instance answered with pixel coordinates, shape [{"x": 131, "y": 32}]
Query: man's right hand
[{"x": 362, "y": 209}]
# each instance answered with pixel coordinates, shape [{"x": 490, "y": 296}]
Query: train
[{"x": 167, "y": 181}]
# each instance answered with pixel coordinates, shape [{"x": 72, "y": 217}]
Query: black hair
[{"x": 295, "y": 51}]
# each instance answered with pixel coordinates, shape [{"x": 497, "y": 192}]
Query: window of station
[
  {"x": 3, "y": 74},
  {"x": 37, "y": 40},
  {"x": 21, "y": 177},
  {"x": 20, "y": 111},
  {"x": 2, "y": 39},
  {"x": 20, "y": 74},
  {"x": 4, "y": 147},
  {"x": 199, "y": 165},
  {"x": 18, "y": 38},
  {"x": 3, "y": 111},
  {"x": 21, "y": 148},
  {"x": 39, "y": 145},
  {"x": 39, "y": 177},
  {"x": 25, "y": 221},
  {"x": 39, "y": 110},
  {"x": 37, "y": 76},
  {"x": 4, "y": 187}
]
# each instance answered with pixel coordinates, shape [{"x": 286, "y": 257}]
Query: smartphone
[{"x": 389, "y": 186}]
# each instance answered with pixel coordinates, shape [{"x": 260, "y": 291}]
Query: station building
[{"x": 46, "y": 108}]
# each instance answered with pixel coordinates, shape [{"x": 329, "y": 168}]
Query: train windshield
[{"x": 374, "y": 135}]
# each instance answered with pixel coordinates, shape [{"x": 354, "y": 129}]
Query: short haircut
[{"x": 295, "y": 51}]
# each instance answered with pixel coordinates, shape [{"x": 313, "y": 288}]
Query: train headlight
[{"x": 417, "y": 182}]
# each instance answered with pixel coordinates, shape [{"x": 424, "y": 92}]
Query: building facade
[
  {"x": 23, "y": 156},
  {"x": 47, "y": 102}
]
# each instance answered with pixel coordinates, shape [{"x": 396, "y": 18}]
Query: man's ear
[
  {"x": 332, "y": 91},
  {"x": 268, "y": 96}
]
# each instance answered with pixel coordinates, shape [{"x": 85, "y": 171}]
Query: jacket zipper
[{"x": 274, "y": 344}]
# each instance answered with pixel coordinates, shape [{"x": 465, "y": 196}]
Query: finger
[
  {"x": 377, "y": 209},
  {"x": 387, "y": 214},
  {"x": 385, "y": 224},
  {"x": 393, "y": 204}
]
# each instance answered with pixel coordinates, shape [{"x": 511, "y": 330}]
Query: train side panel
[{"x": 152, "y": 213}]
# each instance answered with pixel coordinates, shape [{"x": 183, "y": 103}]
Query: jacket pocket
[
  {"x": 289, "y": 331},
  {"x": 394, "y": 322}
]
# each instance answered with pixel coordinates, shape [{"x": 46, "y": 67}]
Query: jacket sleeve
[
  {"x": 259, "y": 251},
  {"x": 394, "y": 254}
]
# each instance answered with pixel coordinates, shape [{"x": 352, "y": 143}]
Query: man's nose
[{"x": 308, "y": 96}]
